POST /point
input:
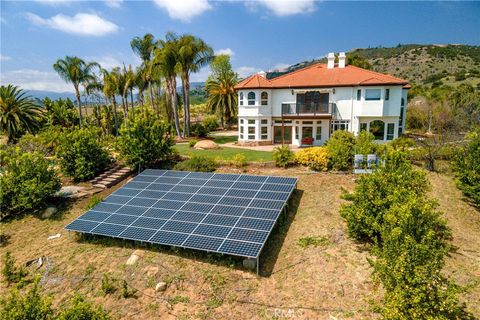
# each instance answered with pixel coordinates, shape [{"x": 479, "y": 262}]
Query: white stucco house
[{"x": 306, "y": 106}]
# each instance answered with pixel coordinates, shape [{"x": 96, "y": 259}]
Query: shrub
[
  {"x": 364, "y": 143},
  {"x": 402, "y": 143},
  {"x": 144, "y": 142},
  {"x": 315, "y": 158},
  {"x": 80, "y": 309},
  {"x": 199, "y": 130},
  {"x": 313, "y": 241},
  {"x": 210, "y": 122},
  {"x": 126, "y": 292},
  {"x": 377, "y": 192},
  {"x": 82, "y": 155},
  {"x": 31, "y": 143},
  {"x": 239, "y": 160},
  {"x": 283, "y": 156},
  {"x": 31, "y": 306},
  {"x": 192, "y": 142},
  {"x": 10, "y": 272},
  {"x": 27, "y": 181},
  {"x": 340, "y": 150},
  {"x": 466, "y": 166},
  {"x": 108, "y": 285},
  {"x": 197, "y": 163}
]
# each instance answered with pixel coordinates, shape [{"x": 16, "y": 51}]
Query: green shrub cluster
[
  {"x": 199, "y": 130},
  {"x": 466, "y": 166},
  {"x": 197, "y": 163},
  {"x": 192, "y": 142},
  {"x": 82, "y": 156},
  {"x": 144, "y": 142},
  {"x": 33, "y": 305},
  {"x": 210, "y": 123},
  {"x": 10, "y": 272},
  {"x": 239, "y": 161},
  {"x": 283, "y": 156},
  {"x": 390, "y": 209},
  {"x": 340, "y": 149},
  {"x": 27, "y": 181}
]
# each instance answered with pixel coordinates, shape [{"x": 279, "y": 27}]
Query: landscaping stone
[
  {"x": 137, "y": 254},
  {"x": 206, "y": 145},
  {"x": 69, "y": 191},
  {"x": 49, "y": 211},
  {"x": 161, "y": 286}
]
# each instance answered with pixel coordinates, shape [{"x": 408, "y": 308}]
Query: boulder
[
  {"x": 137, "y": 254},
  {"x": 161, "y": 286},
  {"x": 206, "y": 145},
  {"x": 49, "y": 212}
]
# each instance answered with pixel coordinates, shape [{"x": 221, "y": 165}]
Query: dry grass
[{"x": 313, "y": 282}]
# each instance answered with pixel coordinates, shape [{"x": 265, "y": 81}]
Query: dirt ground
[{"x": 328, "y": 281}]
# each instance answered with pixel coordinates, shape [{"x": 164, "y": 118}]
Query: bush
[
  {"x": 377, "y": 192},
  {"x": 340, "y": 149},
  {"x": 80, "y": 309},
  {"x": 82, "y": 155},
  {"x": 27, "y": 181},
  {"x": 402, "y": 143},
  {"x": 144, "y": 142},
  {"x": 199, "y": 130},
  {"x": 192, "y": 142},
  {"x": 108, "y": 285},
  {"x": 283, "y": 156},
  {"x": 30, "y": 306},
  {"x": 210, "y": 123},
  {"x": 364, "y": 143},
  {"x": 31, "y": 143},
  {"x": 10, "y": 272},
  {"x": 466, "y": 166},
  {"x": 197, "y": 163},
  {"x": 239, "y": 160},
  {"x": 315, "y": 158}
]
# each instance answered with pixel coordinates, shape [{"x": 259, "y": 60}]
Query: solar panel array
[{"x": 225, "y": 213}]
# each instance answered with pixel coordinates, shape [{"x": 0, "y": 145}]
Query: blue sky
[{"x": 259, "y": 35}]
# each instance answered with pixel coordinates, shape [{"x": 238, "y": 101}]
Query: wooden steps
[{"x": 110, "y": 177}]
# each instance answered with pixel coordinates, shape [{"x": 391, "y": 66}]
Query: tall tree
[
  {"x": 18, "y": 113},
  {"x": 166, "y": 59},
  {"x": 220, "y": 85},
  {"x": 193, "y": 54},
  {"x": 110, "y": 89},
  {"x": 78, "y": 72},
  {"x": 144, "y": 47}
]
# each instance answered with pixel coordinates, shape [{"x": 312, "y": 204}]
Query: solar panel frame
[{"x": 226, "y": 209}]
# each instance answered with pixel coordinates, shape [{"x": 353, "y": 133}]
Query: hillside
[{"x": 419, "y": 64}]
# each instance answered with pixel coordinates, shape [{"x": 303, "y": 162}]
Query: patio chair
[{"x": 358, "y": 164}]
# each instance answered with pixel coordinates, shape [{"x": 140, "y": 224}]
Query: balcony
[{"x": 301, "y": 109}]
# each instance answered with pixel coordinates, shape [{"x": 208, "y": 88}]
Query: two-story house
[{"x": 306, "y": 106}]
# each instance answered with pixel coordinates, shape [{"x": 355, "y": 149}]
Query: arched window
[
  {"x": 377, "y": 128},
  {"x": 241, "y": 98},
  {"x": 264, "y": 98},
  {"x": 251, "y": 98}
]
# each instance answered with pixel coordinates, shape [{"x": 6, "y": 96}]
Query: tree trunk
[
  {"x": 131, "y": 100},
  {"x": 151, "y": 99},
  {"x": 186, "y": 105},
  {"x": 77, "y": 94},
  {"x": 173, "y": 89},
  {"x": 115, "y": 120},
  {"x": 125, "y": 111}
]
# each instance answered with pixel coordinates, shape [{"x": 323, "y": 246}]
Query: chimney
[
  {"x": 341, "y": 60},
  {"x": 331, "y": 60},
  {"x": 262, "y": 74}
]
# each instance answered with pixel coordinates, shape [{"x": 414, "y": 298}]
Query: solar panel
[{"x": 224, "y": 213}]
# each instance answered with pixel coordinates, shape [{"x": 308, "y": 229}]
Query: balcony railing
[{"x": 307, "y": 109}]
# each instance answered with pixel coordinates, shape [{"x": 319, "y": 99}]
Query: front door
[{"x": 277, "y": 134}]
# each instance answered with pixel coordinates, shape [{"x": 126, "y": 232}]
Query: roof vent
[
  {"x": 341, "y": 60},
  {"x": 262, "y": 74},
  {"x": 331, "y": 60}
]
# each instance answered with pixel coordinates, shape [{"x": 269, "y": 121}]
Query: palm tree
[
  {"x": 110, "y": 89},
  {"x": 19, "y": 113},
  {"x": 222, "y": 97},
  {"x": 141, "y": 83},
  {"x": 166, "y": 58},
  {"x": 144, "y": 48},
  {"x": 78, "y": 72},
  {"x": 193, "y": 54}
]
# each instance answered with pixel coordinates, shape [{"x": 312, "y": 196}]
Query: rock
[
  {"x": 58, "y": 235},
  {"x": 49, "y": 211},
  {"x": 69, "y": 191},
  {"x": 206, "y": 145},
  {"x": 161, "y": 286},
  {"x": 250, "y": 263},
  {"x": 137, "y": 254}
]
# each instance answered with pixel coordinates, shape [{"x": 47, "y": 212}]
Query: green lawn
[
  {"x": 220, "y": 139},
  {"x": 225, "y": 153}
]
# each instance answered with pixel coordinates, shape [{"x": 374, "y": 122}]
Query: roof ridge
[
  {"x": 298, "y": 70},
  {"x": 378, "y": 73}
]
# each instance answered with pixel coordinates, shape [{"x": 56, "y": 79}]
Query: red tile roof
[{"x": 318, "y": 75}]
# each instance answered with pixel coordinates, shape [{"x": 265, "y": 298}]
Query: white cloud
[
  {"x": 244, "y": 72},
  {"x": 283, "y": 8},
  {"x": 200, "y": 76},
  {"x": 113, "y": 3},
  {"x": 227, "y": 51},
  {"x": 84, "y": 24},
  {"x": 281, "y": 66},
  {"x": 5, "y": 58},
  {"x": 184, "y": 10},
  {"x": 30, "y": 79},
  {"x": 54, "y": 2},
  {"x": 107, "y": 61}
]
